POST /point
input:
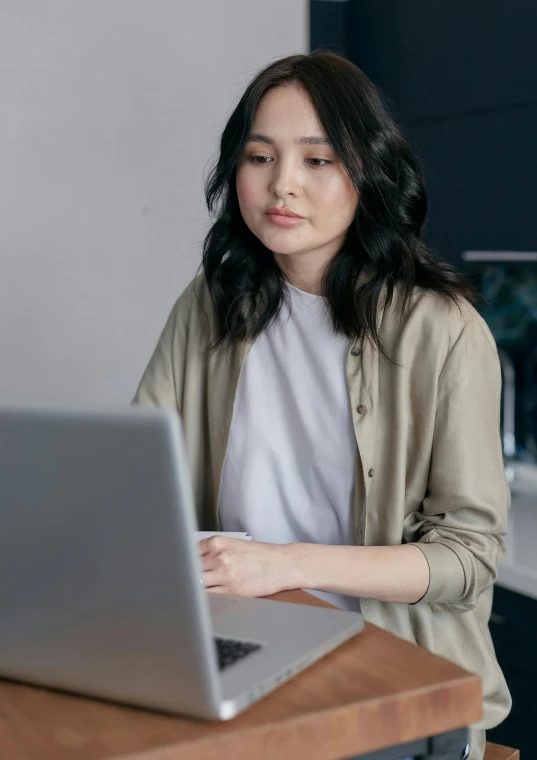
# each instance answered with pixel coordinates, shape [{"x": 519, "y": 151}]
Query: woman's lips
[{"x": 285, "y": 221}]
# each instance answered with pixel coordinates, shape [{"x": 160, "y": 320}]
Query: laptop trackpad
[{"x": 217, "y": 604}]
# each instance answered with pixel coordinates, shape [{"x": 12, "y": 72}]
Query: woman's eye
[
  {"x": 318, "y": 165},
  {"x": 259, "y": 159}
]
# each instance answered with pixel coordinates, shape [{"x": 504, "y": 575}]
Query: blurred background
[{"x": 112, "y": 112}]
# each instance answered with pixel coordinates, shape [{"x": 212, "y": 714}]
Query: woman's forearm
[{"x": 386, "y": 573}]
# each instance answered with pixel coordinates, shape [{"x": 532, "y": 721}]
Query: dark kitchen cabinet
[
  {"x": 434, "y": 58},
  {"x": 480, "y": 173}
]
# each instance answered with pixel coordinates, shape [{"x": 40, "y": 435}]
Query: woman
[{"x": 339, "y": 393}]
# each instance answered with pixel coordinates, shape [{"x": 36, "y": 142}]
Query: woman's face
[{"x": 287, "y": 163}]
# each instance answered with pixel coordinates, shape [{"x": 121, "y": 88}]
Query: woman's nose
[{"x": 285, "y": 179}]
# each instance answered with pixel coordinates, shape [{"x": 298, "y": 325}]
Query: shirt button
[
  {"x": 371, "y": 472},
  {"x": 356, "y": 351},
  {"x": 361, "y": 409}
]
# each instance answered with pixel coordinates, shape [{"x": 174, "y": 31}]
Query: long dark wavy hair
[{"x": 385, "y": 237}]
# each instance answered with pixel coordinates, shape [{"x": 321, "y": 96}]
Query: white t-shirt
[{"x": 288, "y": 473}]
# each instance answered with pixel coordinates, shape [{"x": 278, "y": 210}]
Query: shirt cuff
[{"x": 447, "y": 580}]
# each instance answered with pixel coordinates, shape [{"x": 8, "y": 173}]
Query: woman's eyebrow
[{"x": 309, "y": 140}]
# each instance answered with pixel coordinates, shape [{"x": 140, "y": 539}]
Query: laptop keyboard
[{"x": 230, "y": 650}]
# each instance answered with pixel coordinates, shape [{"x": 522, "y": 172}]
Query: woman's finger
[
  {"x": 209, "y": 563},
  {"x": 213, "y": 544},
  {"x": 211, "y": 578}
]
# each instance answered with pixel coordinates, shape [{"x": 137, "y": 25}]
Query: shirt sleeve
[{"x": 462, "y": 533}]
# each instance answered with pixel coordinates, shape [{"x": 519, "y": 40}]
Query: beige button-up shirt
[{"x": 429, "y": 469}]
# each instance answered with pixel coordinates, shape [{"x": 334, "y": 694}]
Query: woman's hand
[{"x": 245, "y": 568}]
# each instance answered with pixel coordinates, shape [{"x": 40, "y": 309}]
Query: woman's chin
[{"x": 285, "y": 247}]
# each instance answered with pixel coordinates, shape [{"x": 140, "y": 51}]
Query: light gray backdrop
[{"x": 111, "y": 111}]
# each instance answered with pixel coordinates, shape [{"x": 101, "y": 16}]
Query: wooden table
[{"x": 375, "y": 691}]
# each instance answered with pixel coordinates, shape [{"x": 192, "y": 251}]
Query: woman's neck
[{"x": 304, "y": 271}]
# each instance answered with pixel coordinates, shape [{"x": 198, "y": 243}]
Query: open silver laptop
[{"x": 99, "y": 573}]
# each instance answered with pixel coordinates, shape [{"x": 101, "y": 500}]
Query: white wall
[{"x": 111, "y": 112}]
